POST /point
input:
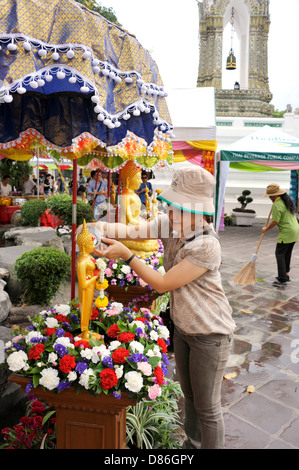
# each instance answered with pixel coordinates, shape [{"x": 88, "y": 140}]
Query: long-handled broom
[{"x": 247, "y": 274}]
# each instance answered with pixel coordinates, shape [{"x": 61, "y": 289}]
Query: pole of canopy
[
  {"x": 118, "y": 193},
  {"x": 37, "y": 154},
  {"x": 109, "y": 196},
  {"x": 74, "y": 225}
]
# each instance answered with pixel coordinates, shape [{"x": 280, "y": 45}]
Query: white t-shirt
[
  {"x": 28, "y": 186},
  {"x": 5, "y": 190}
]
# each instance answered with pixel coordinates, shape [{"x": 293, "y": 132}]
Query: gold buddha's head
[
  {"x": 85, "y": 240},
  {"x": 131, "y": 176}
]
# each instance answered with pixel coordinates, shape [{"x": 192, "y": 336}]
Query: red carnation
[
  {"x": 143, "y": 319},
  {"x": 95, "y": 314},
  {"x": 36, "y": 351},
  {"x": 135, "y": 309},
  {"x": 158, "y": 373},
  {"x": 62, "y": 318},
  {"x": 108, "y": 378},
  {"x": 119, "y": 355},
  {"x": 162, "y": 345},
  {"x": 81, "y": 342},
  {"x": 126, "y": 337},
  {"x": 113, "y": 331},
  {"x": 67, "y": 363},
  {"x": 69, "y": 335},
  {"x": 50, "y": 331}
]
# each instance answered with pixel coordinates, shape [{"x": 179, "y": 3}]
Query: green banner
[{"x": 238, "y": 156}]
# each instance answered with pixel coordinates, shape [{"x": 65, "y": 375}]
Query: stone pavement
[{"x": 265, "y": 351}]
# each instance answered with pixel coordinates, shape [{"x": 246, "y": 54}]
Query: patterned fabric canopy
[{"x": 67, "y": 71}]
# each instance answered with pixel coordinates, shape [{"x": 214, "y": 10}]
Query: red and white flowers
[{"x": 131, "y": 358}]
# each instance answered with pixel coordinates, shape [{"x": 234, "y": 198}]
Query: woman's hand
[
  {"x": 115, "y": 250},
  {"x": 264, "y": 229}
]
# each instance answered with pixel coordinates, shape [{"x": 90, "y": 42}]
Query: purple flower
[
  {"x": 117, "y": 395},
  {"x": 37, "y": 340},
  {"x": 165, "y": 359},
  {"x": 60, "y": 349},
  {"x": 138, "y": 332},
  {"x": 164, "y": 369},
  {"x": 108, "y": 362},
  {"x": 63, "y": 385},
  {"x": 138, "y": 357},
  {"x": 81, "y": 367},
  {"x": 59, "y": 332},
  {"x": 74, "y": 318},
  {"x": 29, "y": 386}
]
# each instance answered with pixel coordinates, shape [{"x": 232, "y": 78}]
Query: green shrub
[
  {"x": 61, "y": 206},
  {"x": 31, "y": 211},
  {"x": 42, "y": 271}
]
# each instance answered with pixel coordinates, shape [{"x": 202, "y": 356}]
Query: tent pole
[{"x": 74, "y": 224}]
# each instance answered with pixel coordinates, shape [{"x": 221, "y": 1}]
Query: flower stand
[
  {"x": 84, "y": 421},
  {"x": 126, "y": 294}
]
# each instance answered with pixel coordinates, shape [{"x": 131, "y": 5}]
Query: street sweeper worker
[
  {"x": 284, "y": 218},
  {"x": 199, "y": 308}
]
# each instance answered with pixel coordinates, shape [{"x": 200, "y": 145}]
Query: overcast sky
[{"x": 169, "y": 30}]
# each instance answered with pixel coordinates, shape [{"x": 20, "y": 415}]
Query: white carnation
[
  {"x": 65, "y": 341},
  {"x": 63, "y": 309},
  {"x": 134, "y": 381},
  {"x": 72, "y": 376},
  {"x": 51, "y": 322},
  {"x": 163, "y": 332},
  {"x": 17, "y": 361},
  {"x": 161, "y": 270},
  {"x": 119, "y": 370},
  {"x": 139, "y": 324},
  {"x": 125, "y": 269},
  {"x": 136, "y": 347},
  {"x": 120, "y": 276},
  {"x": 50, "y": 379},
  {"x": 118, "y": 306},
  {"x": 113, "y": 345},
  {"x": 84, "y": 378},
  {"x": 52, "y": 357},
  {"x": 86, "y": 353},
  {"x": 154, "y": 335},
  {"x": 100, "y": 263},
  {"x": 114, "y": 266}
]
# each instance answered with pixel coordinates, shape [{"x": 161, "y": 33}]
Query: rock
[
  {"x": 3, "y": 273},
  {"x": 18, "y": 315},
  {"x": 56, "y": 242},
  {"x": 5, "y": 303}
]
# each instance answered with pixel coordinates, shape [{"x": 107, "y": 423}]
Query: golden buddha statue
[
  {"x": 130, "y": 206},
  {"x": 86, "y": 268}
]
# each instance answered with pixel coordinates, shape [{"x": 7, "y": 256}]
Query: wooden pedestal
[{"x": 84, "y": 421}]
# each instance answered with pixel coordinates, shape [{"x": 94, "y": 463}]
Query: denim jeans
[{"x": 200, "y": 362}]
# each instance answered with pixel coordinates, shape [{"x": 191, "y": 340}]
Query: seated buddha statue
[
  {"x": 86, "y": 281},
  {"x": 130, "y": 205}
]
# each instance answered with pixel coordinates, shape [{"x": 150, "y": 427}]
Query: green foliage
[
  {"x": 41, "y": 271},
  {"x": 31, "y": 211},
  {"x": 15, "y": 170},
  {"x": 107, "y": 12},
  {"x": 61, "y": 206},
  {"x": 244, "y": 199},
  {"x": 155, "y": 424},
  {"x": 278, "y": 114}
]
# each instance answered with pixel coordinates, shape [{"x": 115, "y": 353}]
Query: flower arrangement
[
  {"x": 131, "y": 358},
  {"x": 118, "y": 273}
]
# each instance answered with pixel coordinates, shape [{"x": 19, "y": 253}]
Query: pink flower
[
  {"x": 145, "y": 310},
  {"x": 154, "y": 261},
  {"x": 154, "y": 392},
  {"x": 112, "y": 311},
  {"x": 145, "y": 368},
  {"x": 113, "y": 282},
  {"x": 108, "y": 272},
  {"x": 17, "y": 338},
  {"x": 142, "y": 283},
  {"x": 129, "y": 277}
]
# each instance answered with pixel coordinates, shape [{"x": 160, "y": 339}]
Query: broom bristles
[{"x": 246, "y": 276}]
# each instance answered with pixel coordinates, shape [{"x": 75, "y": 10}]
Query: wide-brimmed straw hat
[
  {"x": 274, "y": 190},
  {"x": 191, "y": 190}
]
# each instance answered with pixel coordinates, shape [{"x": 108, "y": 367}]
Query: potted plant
[{"x": 242, "y": 215}]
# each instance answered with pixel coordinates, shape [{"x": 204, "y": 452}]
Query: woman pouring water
[{"x": 199, "y": 308}]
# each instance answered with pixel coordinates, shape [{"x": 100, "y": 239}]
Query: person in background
[
  {"x": 60, "y": 185},
  {"x": 27, "y": 184},
  {"x": 47, "y": 185},
  {"x": 145, "y": 183},
  {"x": 284, "y": 218},
  {"x": 5, "y": 188},
  {"x": 97, "y": 189}
]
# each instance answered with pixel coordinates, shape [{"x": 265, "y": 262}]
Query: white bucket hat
[{"x": 191, "y": 190}]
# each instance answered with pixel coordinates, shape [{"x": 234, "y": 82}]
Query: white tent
[{"x": 263, "y": 150}]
